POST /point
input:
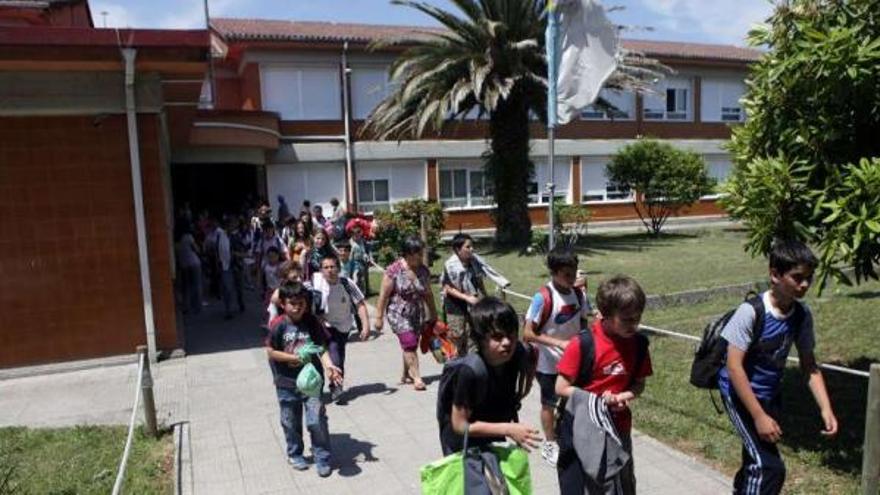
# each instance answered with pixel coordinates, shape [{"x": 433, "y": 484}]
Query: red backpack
[{"x": 547, "y": 307}]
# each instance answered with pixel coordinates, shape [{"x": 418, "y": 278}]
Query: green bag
[{"x": 447, "y": 475}]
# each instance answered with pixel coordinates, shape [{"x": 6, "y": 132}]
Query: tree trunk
[{"x": 509, "y": 168}]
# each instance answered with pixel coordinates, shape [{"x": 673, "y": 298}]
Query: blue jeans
[{"x": 292, "y": 403}]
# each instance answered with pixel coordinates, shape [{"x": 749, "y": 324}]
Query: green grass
[
  {"x": 683, "y": 416},
  {"x": 84, "y": 460}
]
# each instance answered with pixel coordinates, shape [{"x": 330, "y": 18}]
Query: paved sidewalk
[{"x": 226, "y": 398}]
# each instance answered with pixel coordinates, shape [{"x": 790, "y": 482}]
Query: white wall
[
  {"x": 317, "y": 182},
  {"x": 369, "y": 86},
  {"x": 406, "y": 179}
]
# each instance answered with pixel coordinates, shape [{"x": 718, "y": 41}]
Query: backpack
[
  {"x": 712, "y": 351},
  {"x": 710, "y": 354},
  {"x": 547, "y": 306}
]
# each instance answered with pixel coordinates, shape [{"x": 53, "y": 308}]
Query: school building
[{"x": 104, "y": 131}]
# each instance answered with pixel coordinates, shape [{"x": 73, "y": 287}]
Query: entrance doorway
[{"x": 218, "y": 188}]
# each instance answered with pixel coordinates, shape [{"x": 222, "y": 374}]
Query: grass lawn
[
  {"x": 673, "y": 262},
  {"x": 84, "y": 460},
  {"x": 684, "y": 417}
]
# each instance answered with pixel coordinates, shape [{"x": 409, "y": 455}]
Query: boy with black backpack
[
  {"x": 758, "y": 338},
  {"x": 557, "y": 313},
  {"x": 482, "y": 391},
  {"x": 611, "y": 362}
]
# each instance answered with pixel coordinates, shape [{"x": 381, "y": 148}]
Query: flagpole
[{"x": 550, "y": 42}]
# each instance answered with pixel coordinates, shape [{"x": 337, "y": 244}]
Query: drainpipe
[
  {"x": 349, "y": 162},
  {"x": 137, "y": 188}
]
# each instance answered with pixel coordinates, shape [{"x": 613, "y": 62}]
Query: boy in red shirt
[{"x": 620, "y": 365}]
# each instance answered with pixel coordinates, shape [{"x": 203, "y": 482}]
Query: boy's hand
[
  {"x": 524, "y": 435},
  {"x": 379, "y": 323},
  {"x": 334, "y": 374},
  {"x": 830, "y": 423},
  {"x": 768, "y": 429},
  {"x": 365, "y": 334},
  {"x": 618, "y": 402}
]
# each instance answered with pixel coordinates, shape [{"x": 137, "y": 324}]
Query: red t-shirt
[{"x": 613, "y": 369}]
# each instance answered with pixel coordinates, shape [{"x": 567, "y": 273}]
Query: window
[
  {"x": 720, "y": 99},
  {"x": 302, "y": 92},
  {"x": 373, "y": 195},
  {"x": 625, "y": 104},
  {"x": 369, "y": 86},
  {"x": 595, "y": 186},
  {"x": 537, "y": 187},
  {"x": 465, "y": 186},
  {"x": 672, "y": 101}
]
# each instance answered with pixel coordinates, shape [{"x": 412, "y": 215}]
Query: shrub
[
  {"x": 664, "y": 179},
  {"x": 392, "y": 227}
]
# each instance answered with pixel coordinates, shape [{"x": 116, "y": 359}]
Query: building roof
[{"x": 233, "y": 29}]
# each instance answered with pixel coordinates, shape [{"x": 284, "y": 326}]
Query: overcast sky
[{"x": 713, "y": 21}]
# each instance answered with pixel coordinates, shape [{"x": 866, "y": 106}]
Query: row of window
[{"x": 313, "y": 92}]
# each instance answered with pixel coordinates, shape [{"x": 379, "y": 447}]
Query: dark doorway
[{"x": 219, "y": 188}]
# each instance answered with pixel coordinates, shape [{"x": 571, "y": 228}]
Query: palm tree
[{"x": 490, "y": 59}]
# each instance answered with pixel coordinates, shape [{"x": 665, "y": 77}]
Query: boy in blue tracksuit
[{"x": 751, "y": 379}]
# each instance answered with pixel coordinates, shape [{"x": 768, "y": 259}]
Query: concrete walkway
[{"x": 223, "y": 396}]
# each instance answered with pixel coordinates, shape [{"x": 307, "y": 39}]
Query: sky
[{"x": 703, "y": 21}]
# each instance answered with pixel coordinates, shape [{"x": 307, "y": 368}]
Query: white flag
[{"x": 588, "y": 46}]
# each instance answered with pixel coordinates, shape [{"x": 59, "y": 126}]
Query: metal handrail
[{"x": 670, "y": 333}]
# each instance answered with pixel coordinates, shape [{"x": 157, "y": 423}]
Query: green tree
[
  {"x": 490, "y": 60},
  {"x": 664, "y": 179},
  {"x": 393, "y": 227},
  {"x": 806, "y": 160}
]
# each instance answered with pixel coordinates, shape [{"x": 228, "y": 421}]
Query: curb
[
  {"x": 696, "y": 296},
  {"x": 183, "y": 483}
]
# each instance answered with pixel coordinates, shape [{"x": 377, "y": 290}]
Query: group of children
[{"x": 588, "y": 373}]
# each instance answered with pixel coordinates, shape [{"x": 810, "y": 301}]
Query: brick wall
[{"x": 69, "y": 277}]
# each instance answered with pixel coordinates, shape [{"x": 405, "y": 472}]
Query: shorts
[
  {"x": 460, "y": 330},
  {"x": 409, "y": 340},
  {"x": 548, "y": 388}
]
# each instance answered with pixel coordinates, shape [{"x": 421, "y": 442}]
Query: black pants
[
  {"x": 336, "y": 347},
  {"x": 572, "y": 480},
  {"x": 762, "y": 471}
]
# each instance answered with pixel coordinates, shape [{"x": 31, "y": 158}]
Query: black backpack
[{"x": 710, "y": 354}]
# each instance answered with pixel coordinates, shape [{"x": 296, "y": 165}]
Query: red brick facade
[{"x": 69, "y": 274}]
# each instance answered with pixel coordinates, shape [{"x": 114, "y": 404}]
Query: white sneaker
[{"x": 550, "y": 452}]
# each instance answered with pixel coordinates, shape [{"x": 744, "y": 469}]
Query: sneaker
[
  {"x": 550, "y": 452},
  {"x": 299, "y": 463},
  {"x": 323, "y": 470}
]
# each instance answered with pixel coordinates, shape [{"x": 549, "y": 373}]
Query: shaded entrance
[{"x": 217, "y": 187}]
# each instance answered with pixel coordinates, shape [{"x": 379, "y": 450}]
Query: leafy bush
[
  {"x": 664, "y": 179},
  {"x": 570, "y": 224},
  {"x": 392, "y": 227},
  {"x": 814, "y": 118}
]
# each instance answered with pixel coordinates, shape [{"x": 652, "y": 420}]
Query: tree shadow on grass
[
  {"x": 349, "y": 451},
  {"x": 597, "y": 243},
  {"x": 801, "y": 421},
  {"x": 865, "y": 295}
]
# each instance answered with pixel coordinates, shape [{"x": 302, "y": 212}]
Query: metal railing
[{"x": 144, "y": 385}]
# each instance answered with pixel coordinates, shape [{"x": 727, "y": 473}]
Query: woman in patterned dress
[{"x": 407, "y": 301}]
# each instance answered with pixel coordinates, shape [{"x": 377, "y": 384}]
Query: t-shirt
[
  {"x": 498, "y": 405},
  {"x": 766, "y": 363},
  {"x": 287, "y": 336},
  {"x": 186, "y": 252},
  {"x": 613, "y": 369},
  {"x": 272, "y": 275},
  {"x": 337, "y": 301},
  {"x": 564, "y": 323}
]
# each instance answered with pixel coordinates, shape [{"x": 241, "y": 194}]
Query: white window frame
[
  {"x": 369, "y": 207},
  {"x": 683, "y": 102},
  {"x": 541, "y": 197},
  {"x": 594, "y": 113},
  {"x": 386, "y": 88},
  {"x": 610, "y": 194},
  {"x": 469, "y": 200},
  {"x": 299, "y": 68}
]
